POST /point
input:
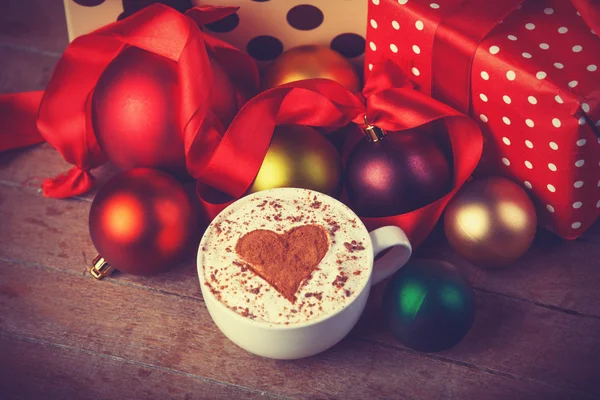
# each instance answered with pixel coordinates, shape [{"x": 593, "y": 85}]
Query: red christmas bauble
[
  {"x": 135, "y": 110},
  {"x": 400, "y": 173},
  {"x": 142, "y": 221}
]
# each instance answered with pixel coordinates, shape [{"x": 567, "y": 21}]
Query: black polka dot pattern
[
  {"x": 133, "y": 6},
  {"x": 349, "y": 44},
  {"x": 226, "y": 24},
  {"x": 264, "y": 48},
  {"x": 305, "y": 17},
  {"x": 89, "y": 3}
]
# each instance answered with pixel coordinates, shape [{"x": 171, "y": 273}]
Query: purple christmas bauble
[{"x": 400, "y": 173}]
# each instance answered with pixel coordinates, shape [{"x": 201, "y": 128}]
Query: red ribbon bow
[
  {"x": 388, "y": 100},
  {"x": 64, "y": 119}
]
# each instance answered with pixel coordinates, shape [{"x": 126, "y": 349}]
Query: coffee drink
[{"x": 286, "y": 259}]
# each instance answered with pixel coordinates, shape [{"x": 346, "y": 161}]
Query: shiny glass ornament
[
  {"x": 396, "y": 173},
  {"x": 299, "y": 156},
  {"x": 308, "y": 62},
  {"x": 135, "y": 110},
  {"x": 491, "y": 222},
  {"x": 141, "y": 222},
  {"x": 429, "y": 305}
]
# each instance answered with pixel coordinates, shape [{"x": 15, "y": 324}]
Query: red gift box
[{"x": 527, "y": 71}]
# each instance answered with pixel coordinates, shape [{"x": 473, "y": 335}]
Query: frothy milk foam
[{"x": 338, "y": 279}]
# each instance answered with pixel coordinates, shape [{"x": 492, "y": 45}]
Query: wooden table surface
[{"x": 64, "y": 335}]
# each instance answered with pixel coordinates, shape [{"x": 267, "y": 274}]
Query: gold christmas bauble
[
  {"x": 491, "y": 222},
  {"x": 299, "y": 156},
  {"x": 308, "y": 62}
]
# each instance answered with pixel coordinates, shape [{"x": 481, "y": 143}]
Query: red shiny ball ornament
[
  {"x": 135, "y": 110},
  {"x": 401, "y": 172},
  {"x": 142, "y": 221}
]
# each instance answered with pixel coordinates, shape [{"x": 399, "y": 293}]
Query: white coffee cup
[{"x": 305, "y": 339}]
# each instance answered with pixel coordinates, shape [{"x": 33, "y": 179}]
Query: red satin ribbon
[
  {"x": 456, "y": 40},
  {"x": 388, "y": 100},
  {"x": 17, "y": 116},
  {"x": 64, "y": 112}
]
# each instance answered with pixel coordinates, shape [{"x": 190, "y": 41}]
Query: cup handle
[{"x": 393, "y": 238}]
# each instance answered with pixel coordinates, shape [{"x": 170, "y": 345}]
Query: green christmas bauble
[{"x": 429, "y": 305}]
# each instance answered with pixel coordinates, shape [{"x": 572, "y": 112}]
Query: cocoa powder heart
[{"x": 284, "y": 260}]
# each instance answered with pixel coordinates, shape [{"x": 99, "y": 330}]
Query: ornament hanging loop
[
  {"x": 100, "y": 268},
  {"x": 374, "y": 133}
]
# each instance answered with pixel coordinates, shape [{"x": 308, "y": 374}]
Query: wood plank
[
  {"x": 34, "y": 25},
  {"x": 31, "y": 369},
  {"x": 592, "y": 234},
  {"x": 555, "y": 273},
  {"x": 24, "y": 71},
  {"x": 166, "y": 331},
  {"x": 55, "y": 233},
  {"x": 30, "y": 201},
  {"x": 519, "y": 338}
]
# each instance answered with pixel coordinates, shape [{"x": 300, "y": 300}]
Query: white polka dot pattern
[{"x": 528, "y": 77}]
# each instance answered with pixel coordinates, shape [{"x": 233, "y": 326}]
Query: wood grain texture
[
  {"x": 554, "y": 273},
  {"x": 593, "y": 234},
  {"x": 24, "y": 71},
  {"x": 55, "y": 233},
  {"x": 517, "y": 338},
  {"x": 33, "y": 25},
  {"x": 170, "y": 332},
  {"x": 64, "y": 335},
  {"x": 32, "y": 369}
]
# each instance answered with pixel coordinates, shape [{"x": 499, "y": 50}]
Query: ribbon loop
[
  {"x": 62, "y": 115},
  {"x": 236, "y": 158},
  {"x": 388, "y": 101}
]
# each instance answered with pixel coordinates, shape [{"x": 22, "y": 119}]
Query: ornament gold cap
[
  {"x": 374, "y": 133},
  {"x": 100, "y": 268}
]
